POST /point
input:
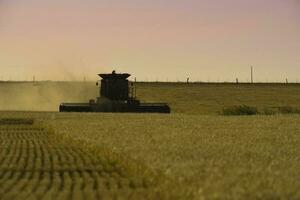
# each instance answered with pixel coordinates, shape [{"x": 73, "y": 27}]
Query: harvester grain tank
[{"x": 117, "y": 94}]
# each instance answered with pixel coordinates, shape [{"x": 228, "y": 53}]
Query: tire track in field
[{"x": 36, "y": 165}]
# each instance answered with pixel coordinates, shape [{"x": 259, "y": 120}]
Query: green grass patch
[
  {"x": 251, "y": 110},
  {"x": 240, "y": 110},
  {"x": 289, "y": 110}
]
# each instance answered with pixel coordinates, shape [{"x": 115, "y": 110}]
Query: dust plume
[{"x": 44, "y": 96}]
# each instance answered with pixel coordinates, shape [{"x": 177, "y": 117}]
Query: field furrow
[{"x": 36, "y": 165}]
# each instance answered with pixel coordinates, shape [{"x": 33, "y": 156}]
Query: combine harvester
[{"x": 117, "y": 94}]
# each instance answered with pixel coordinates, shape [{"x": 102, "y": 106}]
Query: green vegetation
[
  {"x": 194, "y": 153},
  {"x": 248, "y": 110},
  {"x": 289, "y": 110},
  {"x": 240, "y": 110}
]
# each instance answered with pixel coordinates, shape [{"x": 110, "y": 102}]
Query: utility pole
[{"x": 251, "y": 74}]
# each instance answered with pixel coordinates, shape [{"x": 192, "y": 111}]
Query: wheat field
[
  {"x": 194, "y": 98},
  {"x": 193, "y": 153},
  {"x": 37, "y": 164}
]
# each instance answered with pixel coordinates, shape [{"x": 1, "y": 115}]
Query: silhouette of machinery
[{"x": 117, "y": 94}]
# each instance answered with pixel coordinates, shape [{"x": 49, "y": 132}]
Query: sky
[{"x": 205, "y": 40}]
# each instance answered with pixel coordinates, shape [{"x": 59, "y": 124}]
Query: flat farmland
[
  {"x": 36, "y": 164},
  {"x": 193, "y": 153},
  {"x": 197, "y": 98}
]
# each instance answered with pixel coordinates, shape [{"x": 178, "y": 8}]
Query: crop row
[{"x": 35, "y": 165}]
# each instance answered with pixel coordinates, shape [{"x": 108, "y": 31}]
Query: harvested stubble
[{"x": 35, "y": 164}]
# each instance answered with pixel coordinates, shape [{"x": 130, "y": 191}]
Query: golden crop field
[
  {"x": 193, "y": 153},
  {"x": 203, "y": 99},
  {"x": 37, "y": 164}
]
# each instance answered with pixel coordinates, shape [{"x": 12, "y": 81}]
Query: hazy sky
[{"x": 158, "y": 39}]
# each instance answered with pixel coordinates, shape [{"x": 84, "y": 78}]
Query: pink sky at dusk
[{"x": 216, "y": 40}]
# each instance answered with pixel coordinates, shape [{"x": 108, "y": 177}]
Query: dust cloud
[{"x": 44, "y": 96}]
